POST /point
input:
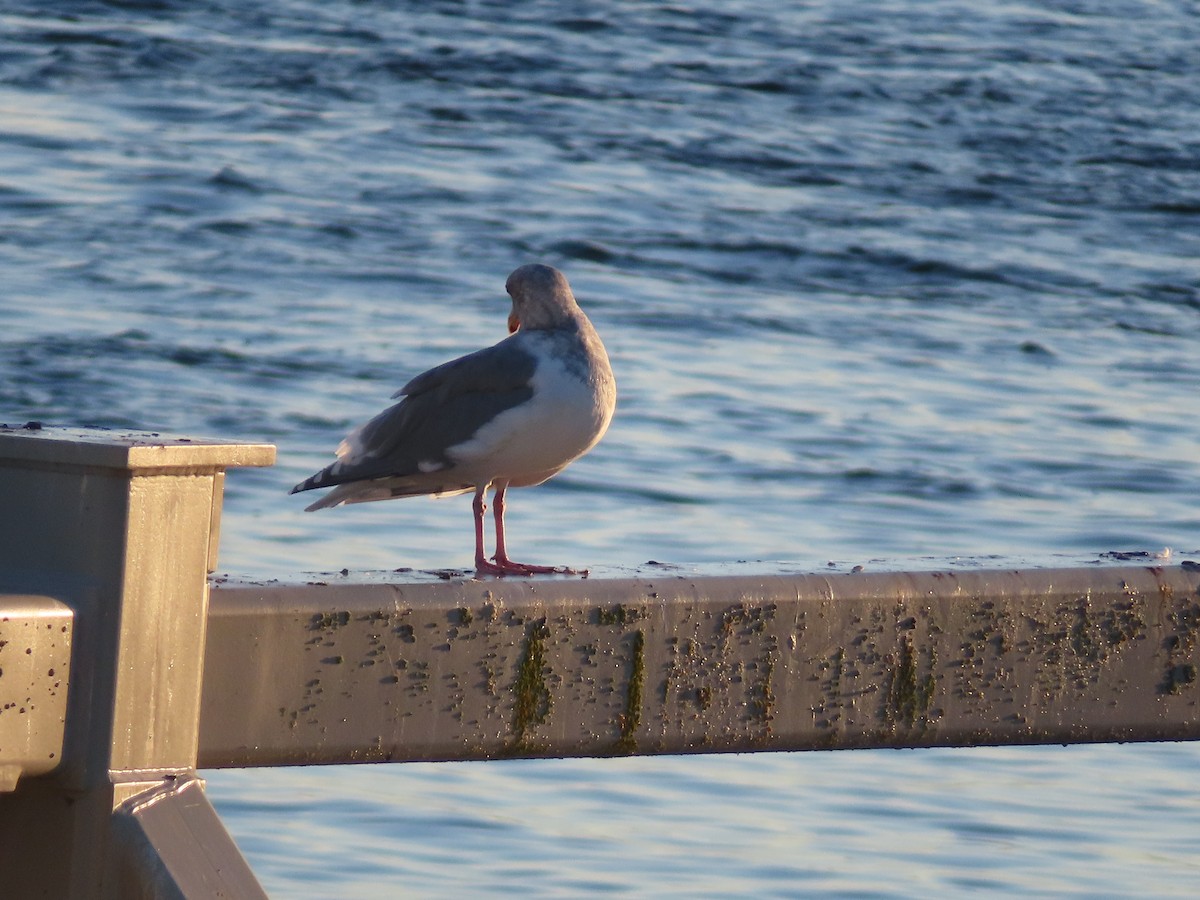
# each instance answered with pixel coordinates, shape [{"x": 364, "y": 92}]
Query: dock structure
[{"x": 123, "y": 670}]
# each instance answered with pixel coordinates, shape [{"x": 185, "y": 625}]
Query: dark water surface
[{"x": 879, "y": 281}]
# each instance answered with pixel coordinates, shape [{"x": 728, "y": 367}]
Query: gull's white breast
[{"x": 569, "y": 411}]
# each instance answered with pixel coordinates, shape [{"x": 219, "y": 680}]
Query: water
[
  {"x": 831, "y": 824},
  {"x": 880, "y": 282}
]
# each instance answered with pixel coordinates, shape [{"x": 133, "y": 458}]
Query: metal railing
[{"x": 122, "y": 671}]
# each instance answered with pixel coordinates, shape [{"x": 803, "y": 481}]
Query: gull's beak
[{"x": 513, "y": 322}]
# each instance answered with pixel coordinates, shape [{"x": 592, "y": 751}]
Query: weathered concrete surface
[{"x": 309, "y": 674}]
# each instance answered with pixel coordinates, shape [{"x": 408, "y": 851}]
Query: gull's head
[{"x": 541, "y": 298}]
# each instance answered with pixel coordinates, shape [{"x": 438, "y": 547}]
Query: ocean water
[{"x": 882, "y": 284}]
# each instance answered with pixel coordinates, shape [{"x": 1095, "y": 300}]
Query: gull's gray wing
[{"x": 440, "y": 409}]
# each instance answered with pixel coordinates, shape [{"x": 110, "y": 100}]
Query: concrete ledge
[{"x": 308, "y": 674}]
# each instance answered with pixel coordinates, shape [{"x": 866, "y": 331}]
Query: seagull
[{"x": 511, "y": 415}]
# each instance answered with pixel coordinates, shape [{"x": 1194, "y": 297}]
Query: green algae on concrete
[
  {"x": 632, "y": 717},
  {"x": 908, "y": 695},
  {"x": 532, "y": 706}
]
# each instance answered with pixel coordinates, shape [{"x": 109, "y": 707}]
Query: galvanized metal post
[{"x": 121, "y": 528}]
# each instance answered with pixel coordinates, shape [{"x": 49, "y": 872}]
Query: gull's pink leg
[
  {"x": 501, "y": 557},
  {"x": 479, "y": 506}
]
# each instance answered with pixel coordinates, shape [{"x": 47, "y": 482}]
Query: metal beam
[
  {"x": 304, "y": 674},
  {"x": 170, "y": 843},
  {"x": 35, "y": 663}
]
